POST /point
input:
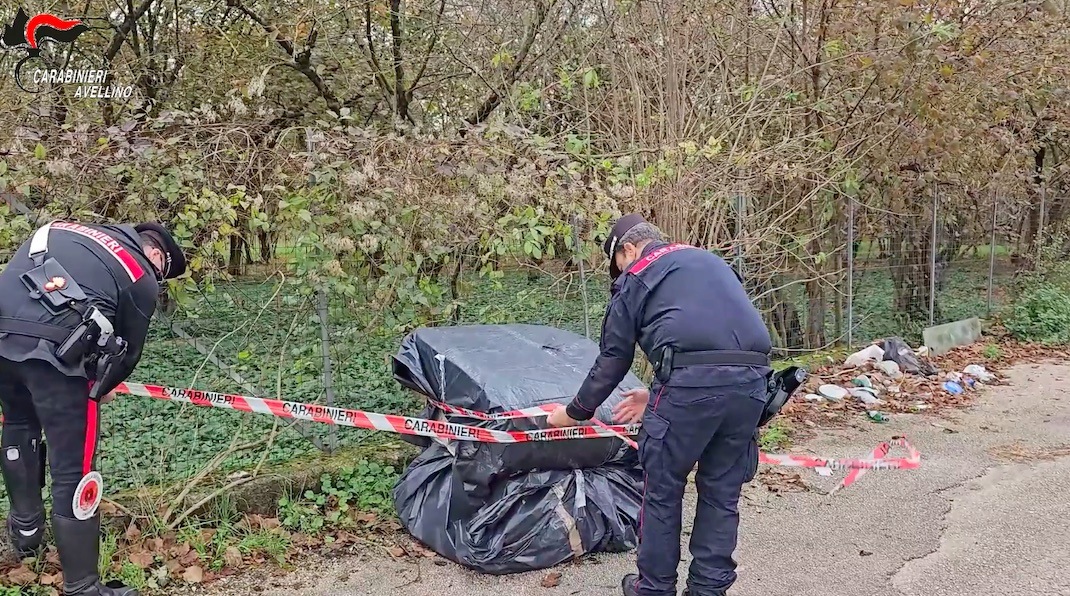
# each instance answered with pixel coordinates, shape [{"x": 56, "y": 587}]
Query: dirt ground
[{"x": 987, "y": 513}]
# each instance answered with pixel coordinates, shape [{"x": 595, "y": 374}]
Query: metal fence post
[
  {"x": 577, "y": 254},
  {"x": 739, "y": 233},
  {"x": 322, "y": 308},
  {"x": 932, "y": 261},
  {"x": 992, "y": 253},
  {"x": 1040, "y": 219},
  {"x": 850, "y": 270}
]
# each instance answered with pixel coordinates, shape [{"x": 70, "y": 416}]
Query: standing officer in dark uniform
[
  {"x": 75, "y": 305},
  {"x": 688, "y": 311}
]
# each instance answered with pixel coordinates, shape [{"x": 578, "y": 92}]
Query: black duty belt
[
  {"x": 671, "y": 360},
  {"x": 720, "y": 358},
  {"x": 53, "y": 333}
]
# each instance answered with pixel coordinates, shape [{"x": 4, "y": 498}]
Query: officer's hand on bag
[
  {"x": 107, "y": 398},
  {"x": 559, "y": 418},
  {"x": 630, "y": 409}
]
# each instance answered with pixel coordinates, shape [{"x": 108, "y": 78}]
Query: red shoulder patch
[{"x": 638, "y": 266}]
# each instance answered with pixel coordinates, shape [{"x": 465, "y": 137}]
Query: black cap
[
  {"x": 175, "y": 261},
  {"x": 619, "y": 230}
]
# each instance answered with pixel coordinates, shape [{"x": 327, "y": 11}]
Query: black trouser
[
  {"x": 684, "y": 426},
  {"x": 35, "y": 397}
]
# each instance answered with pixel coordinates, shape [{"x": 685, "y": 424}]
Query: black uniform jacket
[
  {"x": 680, "y": 296},
  {"x": 109, "y": 265}
]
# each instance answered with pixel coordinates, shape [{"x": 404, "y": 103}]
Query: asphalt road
[{"x": 988, "y": 513}]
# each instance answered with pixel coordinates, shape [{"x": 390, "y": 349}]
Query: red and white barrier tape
[
  {"x": 370, "y": 420},
  {"x": 879, "y": 452},
  {"x": 406, "y": 425},
  {"x": 911, "y": 462}
]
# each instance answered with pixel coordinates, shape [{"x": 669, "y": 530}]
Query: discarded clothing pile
[{"x": 509, "y": 508}]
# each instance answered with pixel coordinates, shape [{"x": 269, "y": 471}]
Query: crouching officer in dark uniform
[
  {"x": 688, "y": 311},
  {"x": 75, "y": 304}
]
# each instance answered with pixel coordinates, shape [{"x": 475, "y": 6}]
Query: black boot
[
  {"x": 22, "y": 463},
  {"x": 79, "y": 553},
  {"x": 628, "y": 584}
]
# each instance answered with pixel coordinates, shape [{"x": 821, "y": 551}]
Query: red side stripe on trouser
[{"x": 90, "y": 437}]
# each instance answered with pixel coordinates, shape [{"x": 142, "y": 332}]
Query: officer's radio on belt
[{"x": 93, "y": 342}]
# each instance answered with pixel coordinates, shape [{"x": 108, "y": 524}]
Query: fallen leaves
[
  {"x": 142, "y": 559},
  {"x": 193, "y": 575},
  {"x": 782, "y": 481},
  {"x": 21, "y": 575},
  {"x": 232, "y": 557},
  {"x": 551, "y": 580},
  {"x": 132, "y": 532}
]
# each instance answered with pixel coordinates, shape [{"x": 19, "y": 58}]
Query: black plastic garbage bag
[
  {"x": 504, "y": 508},
  {"x": 900, "y": 352},
  {"x": 532, "y": 521}
]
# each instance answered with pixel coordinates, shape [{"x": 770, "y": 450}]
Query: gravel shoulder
[{"x": 987, "y": 513}]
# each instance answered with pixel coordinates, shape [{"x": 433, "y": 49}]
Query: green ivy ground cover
[{"x": 277, "y": 348}]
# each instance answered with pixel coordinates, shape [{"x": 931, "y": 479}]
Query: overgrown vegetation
[{"x": 427, "y": 163}]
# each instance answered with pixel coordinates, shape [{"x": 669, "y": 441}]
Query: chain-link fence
[{"x": 270, "y": 333}]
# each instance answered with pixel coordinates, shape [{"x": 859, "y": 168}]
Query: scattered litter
[
  {"x": 922, "y": 351},
  {"x": 866, "y": 395},
  {"x": 952, "y": 387},
  {"x": 872, "y": 353},
  {"x": 898, "y": 351},
  {"x": 862, "y": 381},
  {"x": 947, "y": 430},
  {"x": 876, "y": 416},
  {"x": 864, "y": 553},
  {"x": 823, "y": 471},
  {"x": 833, "y": 392},
  {"x": 890, "y": 368},
  {"x": 978, "y": 372},
  {"x": 921, "y": 406},
  {"x": 813, "y": 397}
]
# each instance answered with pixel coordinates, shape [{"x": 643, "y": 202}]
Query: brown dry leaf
[
  {"x": 779, "y": 481},
  {"x": 108, "y": 508},
  {"x": 366, "y": 518},
  {"x": 270, "y": 523},
  {"x": 132, "y": 532},
  {"x": 396, "y": 551},
  {"x": 207, "y": 535},
  {"x": 232, "y": 556},
  {"x": 551, "y": 580},
  {"x": 48, "y": 579},
  {"x": 142, "y": 559},
  {"x": 21, "y": 575},
  {"x": 193, "y": 575},
  {"x": 181, "y": 550},
  {"x": 156, "y": 544},
  {"x": 173, "y": 566},
  {"x": 52, "y": 556},
  {"x": 189, "y": 558}
]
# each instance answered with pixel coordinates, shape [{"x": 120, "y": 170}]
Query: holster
[
  {"x": 781, "y": 387},
  {"x": 106, "y": 366}
]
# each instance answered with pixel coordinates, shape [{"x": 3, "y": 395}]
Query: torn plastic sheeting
[
  {"x": 529, "y": 522},
  {"x": 500, "y": 508},
  {"x": 497, "y": 368}
]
